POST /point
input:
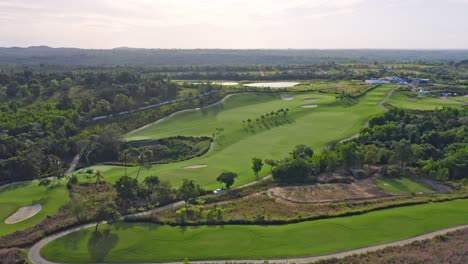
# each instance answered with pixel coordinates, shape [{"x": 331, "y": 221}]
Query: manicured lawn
[
  {"x": 127, "y": 242},
  {"x": 403, "y": 100},
  {"x": 402, "y": 185},
  {"x": 234, "y": 146},
  {"x": 13, "y": 198}
]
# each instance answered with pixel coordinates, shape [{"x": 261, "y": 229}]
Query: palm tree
[
  {"x": 99, "y": 177},
  {"x": 143, "y": 159},
  {"x": 151, "y": 182}
]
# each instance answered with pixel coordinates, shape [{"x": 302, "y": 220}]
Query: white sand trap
[
  {"x": 226, "y": 83},
  {"x": 309, "y": 106},
  {"x": 311, "y": 100},
  {"x": 23, "y": 213},
  {"x": 287, "y": 97},
  {"x": 273, "y": 84},
  {"x": 195, "y": 167}
]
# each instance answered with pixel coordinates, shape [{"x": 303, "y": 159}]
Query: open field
[
  {"x": 15, "y": 197},
  {"x": 404, "y": 100},
  {"x": 402, "y": 185},
  {"x": 165, "y": 243}
]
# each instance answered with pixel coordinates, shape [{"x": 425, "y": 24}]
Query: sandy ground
[
  {"x": 226, "y": 83},
  {"x": 273, "y": 84},
  {"x": 287, "y": 97},
  {"x": 195, "y": 167},
  {"x": 310, "y": 106},
  {"x": 23, "y": 213},
  {"x": 311, "y": 99},
  {"x": 325, "y": 193}
]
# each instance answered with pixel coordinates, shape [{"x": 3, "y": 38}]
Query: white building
[{"x": 375, "y": 81}]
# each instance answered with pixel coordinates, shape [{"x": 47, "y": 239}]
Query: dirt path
[
  {"x": 36, "y": 258},
  {"x": 73, "y": 164}
]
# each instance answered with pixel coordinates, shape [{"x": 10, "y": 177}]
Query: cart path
[{"x": 36, "y": 258}]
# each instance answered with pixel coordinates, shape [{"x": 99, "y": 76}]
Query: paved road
[
  {"x": 36, "y": 258},
  {"x": 73, "y": 164}
]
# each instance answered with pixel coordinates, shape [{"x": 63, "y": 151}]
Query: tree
[
  {"x": 257, "y": 165},
  {"x": 271, "y": 163},
  {"x": 151, "y": 182},
  {"x": 122, "y": 102},
  {"x": 12, "y": 89},
  {"x": 349, "y": 154},
  {"x": 292, "y": 170},
  {"x": 45, "y": 182},
  {"x": 99, "y": 177},
  {"x": 127, "y": 189},
  {"x": 402, "y": 152},
  {"x": 227, "y": 178},
  {"x": 54, "y": 168},
  {"x": 188, "y": 191},
  {"x": 302, "y": 152},
  {"x": 107, "y": 213},
  {"x": 143, "y": 159}
]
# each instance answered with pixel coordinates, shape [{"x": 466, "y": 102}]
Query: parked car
[{"x": 218, "y": 191}]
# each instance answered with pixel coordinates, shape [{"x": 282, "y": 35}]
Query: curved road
[{"x": 36, "y": 258}]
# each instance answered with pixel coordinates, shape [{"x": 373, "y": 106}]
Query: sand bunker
[
  {"x": 226, "y": 83},
  {"x": 309, "y": 106},
  {"x": 311, "y": 100},
  {"x": 273, "y": 84},
  {"x": 23, "y": 213},
  {"x": 195, "y": 167},
  {"x": 287, "y": 97}
]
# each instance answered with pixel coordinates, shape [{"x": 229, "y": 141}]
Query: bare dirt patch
[
  {"x": 195, "y": 167},
  {"x": 23, "y": 213},
  {"x": 311, "y": 100},
  {"x": 310, "y": 106},
  {"x": 326, "y": 193}
]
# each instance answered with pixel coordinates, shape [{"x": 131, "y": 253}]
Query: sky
[{"x": 236, "y": 24}]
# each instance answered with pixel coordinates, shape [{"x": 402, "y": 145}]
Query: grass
[
  {"x": 164, "y": 243},
  {"x": 15, "y": 197},
  {"x": 233, "y": 147},
  {"x": 408, "y": 101},
  {"x": 402, "y": 185}
]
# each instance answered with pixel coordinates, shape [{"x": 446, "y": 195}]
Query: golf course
[
  {"x": 235, "y": 143},
  {"x": 164, "y": 243}
]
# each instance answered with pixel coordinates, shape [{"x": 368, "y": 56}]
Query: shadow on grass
[
  {"x": 100, "y": 244},
  {"x": 398, "y": 185}
]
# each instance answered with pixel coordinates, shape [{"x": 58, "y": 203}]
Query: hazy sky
[{"x": 235, "y": 23}]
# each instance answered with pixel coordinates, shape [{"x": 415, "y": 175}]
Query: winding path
[{"x": 36, "y": 258}]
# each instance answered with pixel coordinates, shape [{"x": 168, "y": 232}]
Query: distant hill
[{"x": 151, "y": 57}]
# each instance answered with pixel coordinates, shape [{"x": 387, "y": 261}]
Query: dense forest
[
  {"x": 46, "y": 118},
  {"x": 146, "y": 57}
]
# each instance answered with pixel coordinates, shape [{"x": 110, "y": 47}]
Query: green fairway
[
  {"x": 403, "y": 100},
  {"x": 234, "y": 147},
  {"x": 13, "y": 198},
  {"x": 126, "y": 242},
  {"x": 401, "y": 185}
]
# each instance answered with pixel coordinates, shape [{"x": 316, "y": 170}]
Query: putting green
[
  {"x": 402, "y": 185},
  {"x": 155, "y": 243},
  {"x": 15, "y": 197},
  {"x": 403, "y": 100}
]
